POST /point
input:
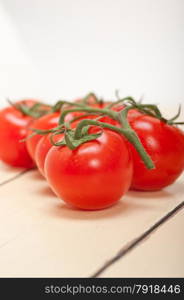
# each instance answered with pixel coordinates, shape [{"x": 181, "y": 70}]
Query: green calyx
[
  {"x": 73, "y": 138},
  {"x": 60, "y": 104},
  {"x": 121, "y": 117},
  {"x": 126, "y": 131},
  {"x": 35, "y": 111},
  {"x": 71, "y": 142},
  {"x": 125, "y": 100},
  {"x": 87, "y": 109},
  {"x": 148, "y": 109},
  {"x": 86, "y": 99}
]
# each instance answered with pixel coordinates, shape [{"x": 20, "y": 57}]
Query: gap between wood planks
[
  {"x": 14, "y": 177},
  {"x": 135, "y": 242},
  {"x": 132, "y": 244}
]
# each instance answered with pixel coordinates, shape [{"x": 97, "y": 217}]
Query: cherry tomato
[
  {"x": 44, "y": 143},
  {"x": 165, "y": 145},
  {"x": 42, "y": 148},
  {"x": 46, "y": 122},
  {"x": 93, "y": 176},
  {"x": 13, "y": 128}
]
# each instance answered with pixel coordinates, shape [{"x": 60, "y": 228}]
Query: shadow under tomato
[
  {"x": 46, "y": 191},
  {"x": 62, "y": 210},
  {"x": 168, "y": 192},
  {"x": 149, "y": 195},
  {"x": 177, "y": 186},
  {"x": 36, "y": 175}
]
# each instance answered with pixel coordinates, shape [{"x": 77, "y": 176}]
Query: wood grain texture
[
  {"x": 41, "y": 236},
  {"x": 8, "y": 173},
  {"x": 159, "y": 256}
]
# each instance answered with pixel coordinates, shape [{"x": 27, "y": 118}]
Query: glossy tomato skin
[
  {"x": 42, "y": 148},
  {"x": 44, "y": 144},
  {"x": 46, "y": 122},
  {"x": 165, "y": 145},
  {"x": 93, "y": 176},
  {"x": 13, "y": 128}
]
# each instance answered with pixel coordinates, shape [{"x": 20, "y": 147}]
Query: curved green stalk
[
  {"x": 108, "y": 112},
  {"x": 127, "y": 132}
]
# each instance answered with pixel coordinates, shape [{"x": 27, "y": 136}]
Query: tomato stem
[
  {"x": 128, "y": 98},
  {"x": 127, "y": 132},
  {"x": 121, "y": 117},
  {"x": 35, "y": 111},
  {"x": 148, "y": 109},
  {"x": 88, "y": 96},
  {"x": 60, "y": 103},
  {"x": 89, "y": 109}
]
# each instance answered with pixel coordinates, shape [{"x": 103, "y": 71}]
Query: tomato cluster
[{"x": 92, "y": 152}]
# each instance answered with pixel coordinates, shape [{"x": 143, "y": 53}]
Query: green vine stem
[
  {"x": 83, "y": 116},
  {"x": 121, "y": 117},
  {"x": 170, "y": 121},
  {"x": 108, "y": 112},
  {"x": 88, "y": 96},
  {"x": 127, "y": 132},
  {"x": 59, "y": 104},
  {"x": 148, "y": 109},
  {"x": 73, "y": 138},
  {"x": 35, "y": 111},
  {"x": 128, "y": 98}
]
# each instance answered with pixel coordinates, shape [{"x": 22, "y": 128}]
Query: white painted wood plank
[
  {"x": 41, "y": 236},
  {"x": 161, "y": 255},
  {"x": 7, "y": 172}
]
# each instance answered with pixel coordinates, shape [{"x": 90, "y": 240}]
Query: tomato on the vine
[
  {"x": 42, "y": 148},
  {"x": 93, "y": 176},
  {"x": 44, "y": 144},
  {"x": 46, "y": 122},
  {"x": 14, "y": 125},
  {"x": 165, "y": 145}
]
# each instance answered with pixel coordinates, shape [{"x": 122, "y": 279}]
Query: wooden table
[{"x": 41, "y": 236}]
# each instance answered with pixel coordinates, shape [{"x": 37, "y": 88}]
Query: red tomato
[
  {"x": 165, "y": 144},
  {"x": 13, "y": 128},
  {"x": 42, "y": 149},
  {"x": 93, "y": 176},
  {"x": 44, "y": 123},
  {"x": 44, "y": 143}
]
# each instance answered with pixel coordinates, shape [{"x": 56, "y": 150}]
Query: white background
[{"x": 64, "y": 48}]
